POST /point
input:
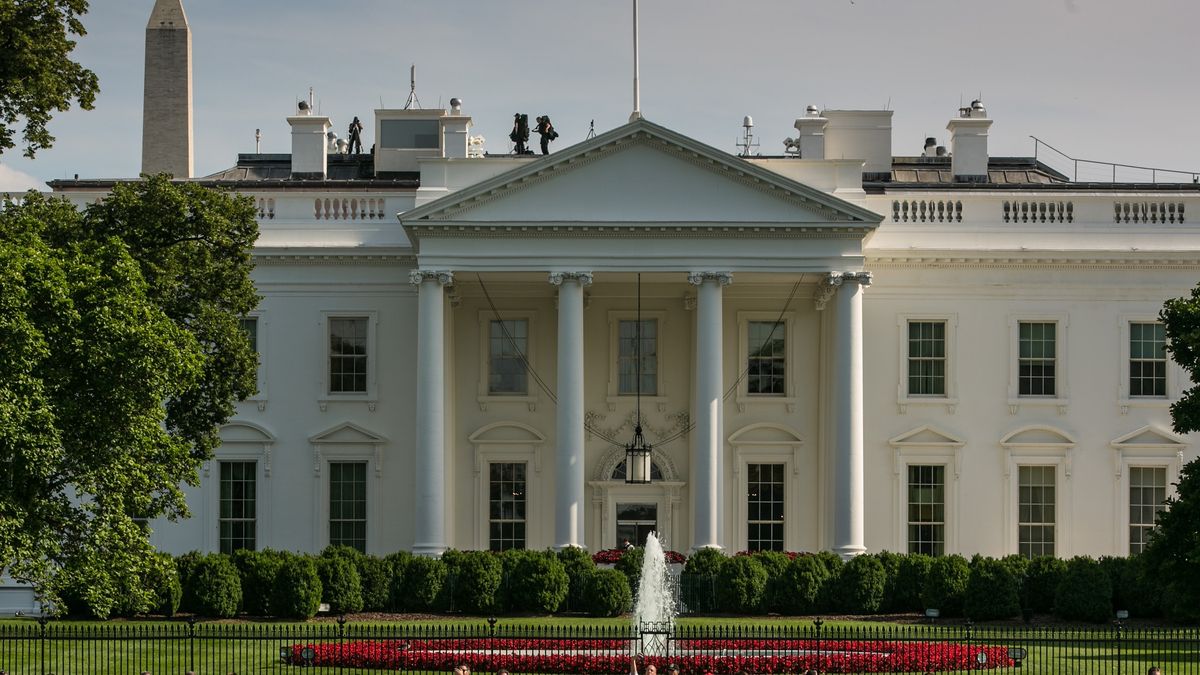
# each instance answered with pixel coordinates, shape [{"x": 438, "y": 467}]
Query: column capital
[
  {"x": 829, "y": 285},
  {"x": 444, "y": 277},
  {"x": 722, "y": 278},
  {"x": 584, "y": 278}
]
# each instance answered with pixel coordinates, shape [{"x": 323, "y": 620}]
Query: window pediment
[
  {"x": 927, "y": 436},
  {"x": 347, "y": 433},
  {"x": 1038, "y": 436},
  {"x": 1148, "y": 437}
]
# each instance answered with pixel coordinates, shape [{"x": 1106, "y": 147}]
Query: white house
[{"x": 950, "y": 353}]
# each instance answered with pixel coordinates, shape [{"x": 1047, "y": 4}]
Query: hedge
[
  {"x": 1041, "y": 583},
  {"x": 477, "y": 583},
  {"x": 776, "y": 565},
  {"x": 257, "y": 570},
  {"x": 946, "y": 586},
  {"x": 423, "y": 579},
  {"x": 213, "y": 587},
  {"x": 991, "y": 591},
  {"x": 1084, "y": 593},
  {"x": 741, "y": 583},
  {"x": 579, "y": 568},
  {"x": 607, "y": 593},
  {"x": 860, "y": 585},
  {"x": 630, "y": 565},
  {"x": 376, "y": 577},
  {"x": 341, "y": 587},
  {"x": 805, "y": 580},
  {"x": 296, "y": 593},
  {"x": 540, "y": 583}
]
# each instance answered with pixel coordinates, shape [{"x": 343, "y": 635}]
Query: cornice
[
  {"x": 273, "y": 258},
  {"x": 1060, "y": 260},
  {"x": 638, "y": 231}
]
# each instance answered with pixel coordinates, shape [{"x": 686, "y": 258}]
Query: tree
[
  {"x": 1181, "y": 319},
  {"x": 106, "y": 315},
  {"x": 37, "y": 75}
]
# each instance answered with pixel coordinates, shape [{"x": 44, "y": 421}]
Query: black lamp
[{"x": 637, "y": 452}]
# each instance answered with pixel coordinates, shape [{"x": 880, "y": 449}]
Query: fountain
[{"x": 656, "y": 604}]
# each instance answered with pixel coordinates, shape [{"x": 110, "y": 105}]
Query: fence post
[
  {"x": 42, "y": 621},
  {"x": 341, "y": 622},
  {"x": 191, "y": 643}
]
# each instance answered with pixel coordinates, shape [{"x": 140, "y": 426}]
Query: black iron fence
[{"x": 176, "y": 648}]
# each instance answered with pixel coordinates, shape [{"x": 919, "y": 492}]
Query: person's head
[
  {"x": 651, "y": 670},
  {"x": 673, "y": 669},
  {"x": 502, "y": 671},
  {"x": 1154, "y": 670},
  {"x": 462, "y": 669}
]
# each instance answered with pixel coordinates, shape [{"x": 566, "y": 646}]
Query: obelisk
[{"x": 167, "y": 106}]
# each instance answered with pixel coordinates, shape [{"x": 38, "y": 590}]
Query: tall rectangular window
[
  {"x": 1036, "y": 510},
  {"x": 766, "y": 369},
  {"x": 1147, "y": 359},
  {"x": 508, "y": 348},
  {"x": 348, "y": 504},
  {"x": 628, "y": 357},
  {"x": 1036, "y": 371},
  {"x": 927, "y": 509},
  {"x": 237, "y": 519},
  {"x": 506, "y": 506},
  {"x": 348, "y": 355},
  {"x": 926, "y": 358},
  {"x": 764, "y": 506},
  {"x": 249, "y": 326},
  {"x": 1147, "y": 492}
]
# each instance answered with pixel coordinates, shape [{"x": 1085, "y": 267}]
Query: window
[
  {"x": 1037, "y": 358},
  {"x": 1036, "y": 511},
  {"x": 635, "y": 522},
  {"x": 1147, "y": 492},
  {"x": 250, "y": 328},
  {"x": 508, "y": 341},
  {"x": 927, "y": 509},
  {"x": 348, "y": 355},
  {"x": 764, "y": 506},
  {"x": 409, "y": 134},
  {"x": 506, "y": 506},
  {"x": 627, "y": 357},
  {"x": 348, "y": 504},
  {"x": 237, "y": 515},
  {"x": 926, "y": 358},
  {"x": 766, "y": 368},
  {"x": 1147, "y": 360}
]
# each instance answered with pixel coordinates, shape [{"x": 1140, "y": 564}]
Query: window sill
[
  {"x": 659, "y": 402},
  {"x": 904, "y": 401},
  {"x": 485, "y": 401},
  {"x": 744, "y": 400},
  {"x": 1014, "y": 404},
  {"x": 1143, "y": 402},
  {"x": 370, "y": 399}
]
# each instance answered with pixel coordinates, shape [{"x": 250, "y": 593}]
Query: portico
[{"x": 720, "y": 244}]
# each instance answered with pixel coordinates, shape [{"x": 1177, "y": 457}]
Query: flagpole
[{"x": 637, "y": 89}]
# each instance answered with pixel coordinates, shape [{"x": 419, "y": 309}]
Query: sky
[{"x": 1110, "y": 80}]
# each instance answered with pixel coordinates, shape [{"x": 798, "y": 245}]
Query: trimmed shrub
[
  {"x": 341, "y": 587},
  {"x": 1041, "y": 583},
  {"x": 1085, "y": 593},
  {"x": 698, "y": 582},
  {"x": 185, "y": 565},
  {"x": 296, "y": 593},
  {"x": 342, "y": 551},
  {"x": 477, "y": 586},
  {"x": 215, "y": 588},
  {"x": 804, "y": 581},
  {"x": 510, "y": 560},
  {"x": 630, "y": 565},
  {"x": 946, "y": 585},
  {"x": 257, "y": 570},
  {"x": 776, "y": 565},
  {"x": 397, "y": 593},
  {"x": 991, "y": 591},
  {"x": 891, "y": 570},
  {"x": 376, "y": 576},
  {"x": 607, "y": 593},
  {"x": 1142, "y": 588},
  {"x": 540, "y": 584},
  {"x": 579, "y": 567},
  {"x": 860, "y": 585},
  {"x": 833, "y": 564},
  {"x": 741, "y": 583},
  {"x": 422, "y": 582},
  {"x": 908, "y": 582},
  {"x": 164, "y": 586}
]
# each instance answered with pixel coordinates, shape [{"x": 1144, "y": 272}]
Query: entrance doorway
[{"x": 634, "y": 522}]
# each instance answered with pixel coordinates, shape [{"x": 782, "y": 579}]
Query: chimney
[
  {"x": 456, "y": 128},
  {"x": 309, "y": 154},
  {"x": 861, "y": 134},
  {"x": 930, "y": 147},
  {"x": 968, "y": 144},
  {"x": 812, "y": 134}
]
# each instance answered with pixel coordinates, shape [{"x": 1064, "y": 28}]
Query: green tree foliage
[
  {"x": 105, "y": 315},
  {"x": 1181, "y": 320},
  {"x": 1173, "y": 555},
  {"x": 37, "y": 75}
]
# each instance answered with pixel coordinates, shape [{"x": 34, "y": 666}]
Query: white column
[
  {"x": 569, "y": 483},
  {"x": 708, "y": 436},
  {"x": 429, "y": 480},
  {"x": 849, "y": 506}
]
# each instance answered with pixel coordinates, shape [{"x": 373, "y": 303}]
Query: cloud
[{"x": 12, "y": 180}]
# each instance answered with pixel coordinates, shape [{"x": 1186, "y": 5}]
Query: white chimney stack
[
  {"x": 861, "y": 134},
  {"x": 456, "y": 130},
  {"x": 309, "y": 151},
  {"x": 812, "y": 134},
  {"x": 968, "y": 144}
]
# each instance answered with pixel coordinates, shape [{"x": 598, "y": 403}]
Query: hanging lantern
[{"x": 637, "y": 459}]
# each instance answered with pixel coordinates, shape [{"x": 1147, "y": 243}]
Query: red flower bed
[
  {"x": 610, "y": 556},
  {"x": 693, "y": 656}
]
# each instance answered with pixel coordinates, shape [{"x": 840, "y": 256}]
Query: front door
[{"x": 634, "y": 522}]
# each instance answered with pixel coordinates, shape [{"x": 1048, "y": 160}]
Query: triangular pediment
[
  {"x": 347, "y": 433},
  {"x": 1037, "y": 436},
  {"x": 646, "y": 176},
  {"x": 926, "y": 436},
  {"x": 1148, "y": 437}
]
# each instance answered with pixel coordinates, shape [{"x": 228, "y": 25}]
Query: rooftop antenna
[
  {"x": 637, "y": 88},
  {"x": 747, "y": 143},
  {"x": 258, "y": 141},
  {"x": 310, "y": 98},
  {"x": 591, "y": 131},
  {"x": 412, "y": 88}
]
